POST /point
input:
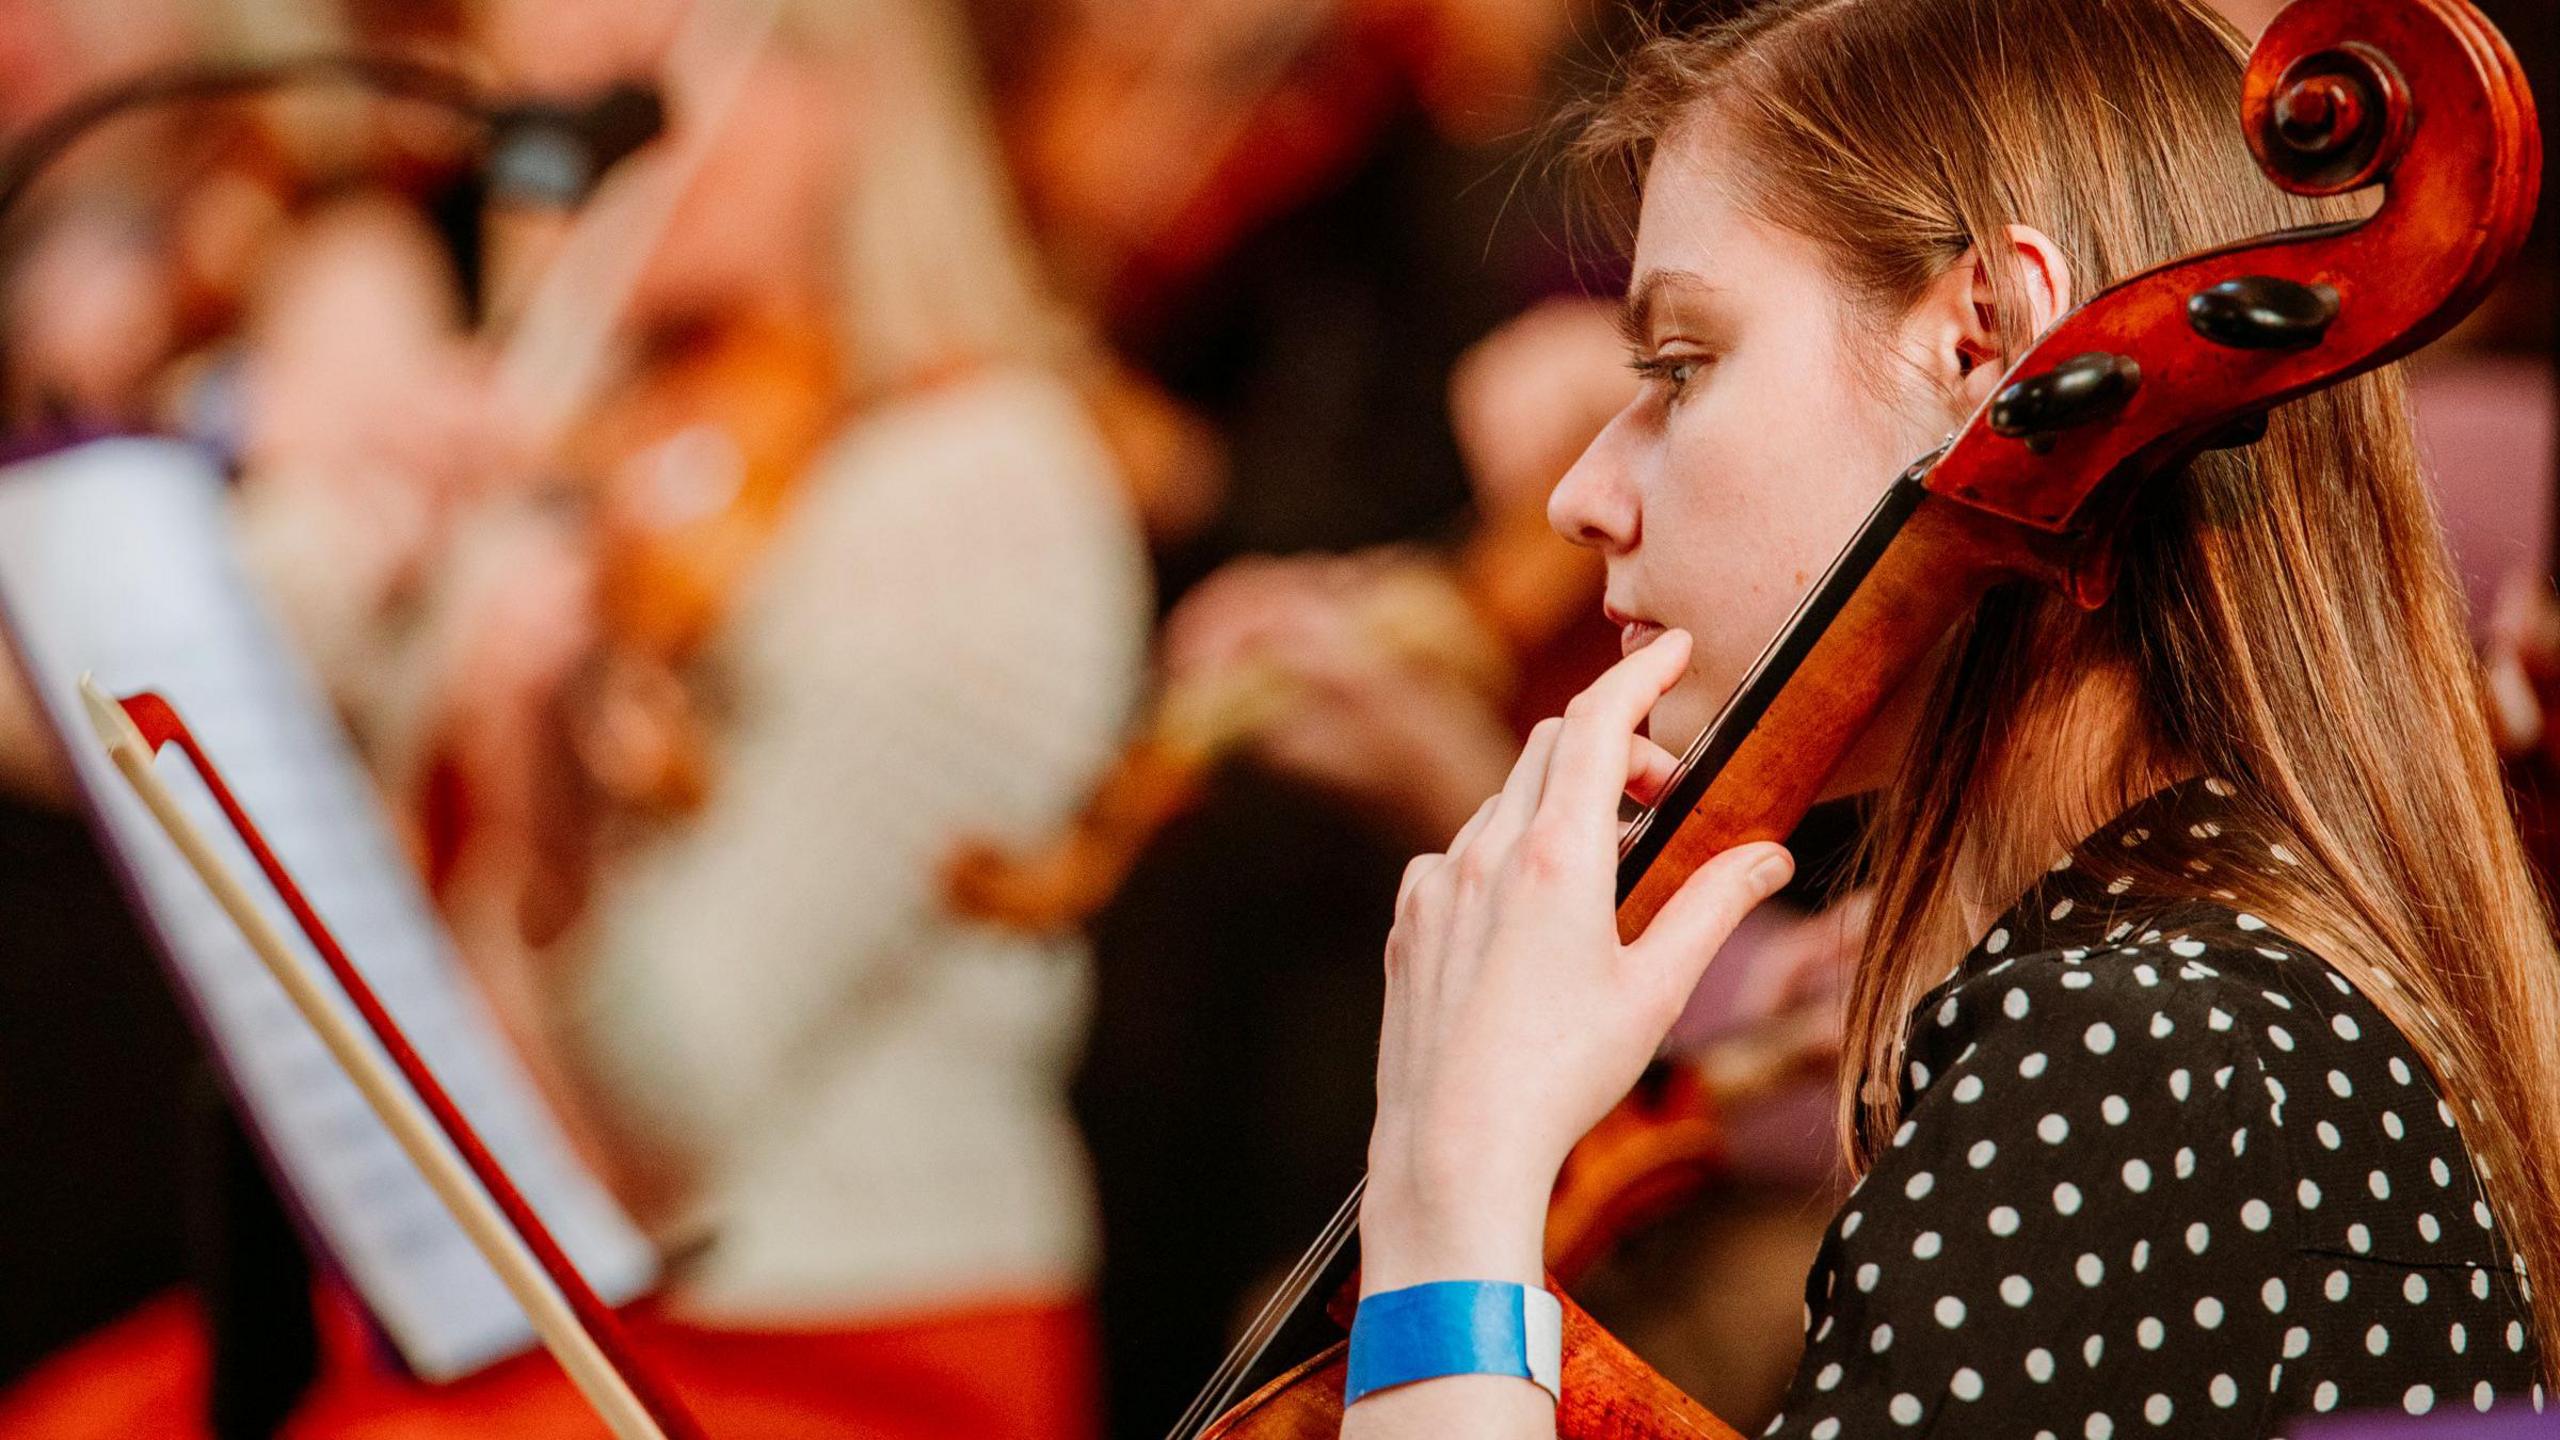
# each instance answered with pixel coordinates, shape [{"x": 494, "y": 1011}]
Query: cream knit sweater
[{"x": 946, "y": 639}]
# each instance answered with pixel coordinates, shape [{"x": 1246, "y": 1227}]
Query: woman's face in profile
[{"x": 1772, "y": 416}]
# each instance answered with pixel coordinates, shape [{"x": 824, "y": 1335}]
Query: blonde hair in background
[
  {"x": 2287, "y": 617},
  {"x": 933, "y": 270},
  {"x": 938, "y": 269}
]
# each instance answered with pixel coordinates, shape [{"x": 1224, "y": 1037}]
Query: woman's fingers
[
  {"x": 1689, "y": 930},
  {"x": 1414, "y": 871},
  {"x": 1519, "y": 799},
  {"x": 1592, "y": 757},
  {"x": 1241, "y": 610},
  {"x": 1468, "y": 832},
  {"x": 1650, "y": 770}
]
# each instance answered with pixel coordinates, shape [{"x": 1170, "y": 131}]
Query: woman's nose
[{"x": 1595, "y": 504}]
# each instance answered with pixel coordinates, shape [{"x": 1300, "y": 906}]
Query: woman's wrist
[{"x": 1414, "y": 1230}]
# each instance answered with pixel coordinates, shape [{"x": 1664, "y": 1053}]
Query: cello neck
[{"x": 1913, "y": 570}]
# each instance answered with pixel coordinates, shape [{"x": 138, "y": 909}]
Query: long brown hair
[{"x": 2286, "y": 617}]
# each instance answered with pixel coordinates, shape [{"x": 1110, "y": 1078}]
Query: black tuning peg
[
  {"x": 2077, "y": 391},
  {"x": 2261, "y": 312}
]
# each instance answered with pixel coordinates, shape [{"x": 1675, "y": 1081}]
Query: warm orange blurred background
[{"x": 908, "y": 636}]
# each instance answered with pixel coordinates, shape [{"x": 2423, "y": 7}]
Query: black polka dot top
[{"x": 2160, "y": 1172}]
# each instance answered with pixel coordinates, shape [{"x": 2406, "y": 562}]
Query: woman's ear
[{"x": 1959, "y": 316}]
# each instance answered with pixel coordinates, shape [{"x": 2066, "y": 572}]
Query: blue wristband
[{"x": 1456, "y": 1327}]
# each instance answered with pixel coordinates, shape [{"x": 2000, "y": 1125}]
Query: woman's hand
[
  {"x": 1514, "y": 1017},
  {"x": 1528, "y": 399},
  {"x": 2522, "y": 656},
  {"x": 1405, "y": 739}
]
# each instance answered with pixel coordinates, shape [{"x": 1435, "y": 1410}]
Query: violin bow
[
  {"x": 554, "y": 354},
  {"x": 572, "y": 1321}
]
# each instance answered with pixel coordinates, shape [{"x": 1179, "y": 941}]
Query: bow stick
[
  {"x": 573, "y": 1322},
  {"x": 554, "y": 358}
]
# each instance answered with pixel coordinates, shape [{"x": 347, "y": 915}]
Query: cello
[
  {"x": 2418, "y": 96},
  {"x": 2037, "y": 484}
]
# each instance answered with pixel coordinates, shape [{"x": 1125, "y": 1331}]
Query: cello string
[
  {"x": 1221, "y": 1392},
  {"x": 1291, "y": 1292},
  {"x": 1286, "y": 1298}
]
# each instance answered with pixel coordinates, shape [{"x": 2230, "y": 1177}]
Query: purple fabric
[
  {"x": 43, "y": 440},
  {"x": 1785, "y": 1137},
  {"x": 2489, "y": 435}
]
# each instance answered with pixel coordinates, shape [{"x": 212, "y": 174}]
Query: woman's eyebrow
[{"x": 1648, "y": 293}]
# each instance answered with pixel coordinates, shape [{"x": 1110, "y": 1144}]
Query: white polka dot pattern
[{"x": 2169, "y": 1182}]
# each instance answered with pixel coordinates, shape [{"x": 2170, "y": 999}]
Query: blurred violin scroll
[{"x": 1153, "y": 136}]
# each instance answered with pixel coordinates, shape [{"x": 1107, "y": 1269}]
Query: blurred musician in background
[
  {"x": 919, "y": 608},
  {"x": 841, "y": 1108}
]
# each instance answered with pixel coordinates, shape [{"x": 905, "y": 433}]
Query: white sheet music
[{"x": 116, "y": 558}]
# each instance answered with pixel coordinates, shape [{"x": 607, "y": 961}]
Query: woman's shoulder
[
  {"x": 2101, "y": 960},
  {"x": 2202, "y": 974},
  {"x": 2199, "y": 984},
  {"x": 2204, "y": 1000},
  {"x": 2208, "y": 1031}
]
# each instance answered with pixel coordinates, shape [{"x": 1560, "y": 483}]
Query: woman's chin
[{"x": 1676, "y": 722}]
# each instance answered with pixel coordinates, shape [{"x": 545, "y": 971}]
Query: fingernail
[{"x": 1772, "y": 870}]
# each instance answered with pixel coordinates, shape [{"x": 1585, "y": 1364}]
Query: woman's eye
[{"x": 1673, "y": 372}]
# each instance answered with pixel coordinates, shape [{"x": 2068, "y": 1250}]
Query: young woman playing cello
[{"x": 2207, "y": 1029}]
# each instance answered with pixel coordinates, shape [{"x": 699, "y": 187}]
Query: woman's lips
[{"x": 1634, "y": 635}]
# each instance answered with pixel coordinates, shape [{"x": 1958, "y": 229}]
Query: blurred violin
[
  {"x": 695, "y": 459},
  {"x": 2422, "y": 96},
  {"x": 682, "y": 477},
  {"x": 1152, "y": 138},
  {"x": 677, "y": 439}
]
